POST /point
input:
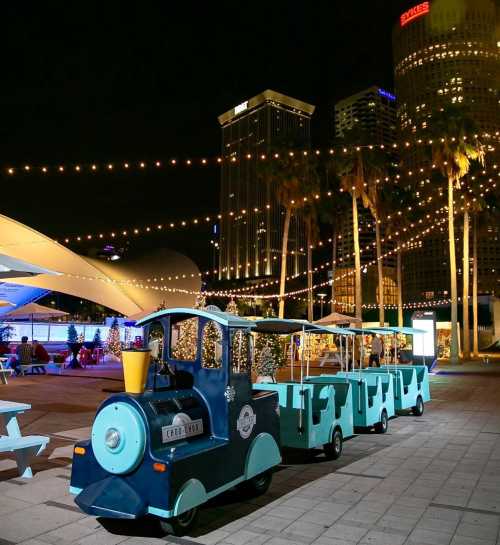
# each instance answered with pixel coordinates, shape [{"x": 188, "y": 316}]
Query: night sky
[{"x": 115, "y": 81}]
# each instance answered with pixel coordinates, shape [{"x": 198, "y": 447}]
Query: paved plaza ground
[{"x": 433, "y": 480}]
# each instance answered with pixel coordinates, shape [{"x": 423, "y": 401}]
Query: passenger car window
[
  {"x": 155, "y": 341},
  {"x": 240, "y": 351},
  {"x": 211, "y": 346},
  {"x": 184, "y": 339}
]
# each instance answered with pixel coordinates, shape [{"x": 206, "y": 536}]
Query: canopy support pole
[
  {"x": 301, "y": 411},
  {"x": 341, "y": 355},
  {"x": 308, "y": 350}
]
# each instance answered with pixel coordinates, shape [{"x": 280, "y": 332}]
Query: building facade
[
  {"x": 251, "y": 223},
  {"x": 447, "y": 53},
  {"x": 374, "y": 111}
]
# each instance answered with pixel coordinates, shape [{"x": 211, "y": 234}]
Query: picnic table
[
  {"x": 4, "y": 371},
  {"x": 330, "y": 356},
  {"x": 23, "y": 447}
]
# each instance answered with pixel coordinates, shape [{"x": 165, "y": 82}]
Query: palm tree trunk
[
  {"x": 399, "y": 280},
  {"x": 284, "y": 252},
  {"x": 465, "y": 291},
  {"x": 380, "y": 274},
  {"x": 310, "y": 316},
  {"x": 453, "y": 277},
  {"x": 334, "y": 267},
  {"x": 358, "y": 296},
  {"x": 475, "y": 321}
]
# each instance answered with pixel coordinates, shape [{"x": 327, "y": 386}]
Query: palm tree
[
  {"x": 394, "y": 199},
  {"x": 453, "y": 147},
  {"x": 484, "y": 211},
  {"x": 331, "y": 212},
  {"x": 375, "y": 170},
  {"x": 289, "y": 170},
  {"x": 351, "y": 173},
  {"x": 311, "y": 221},
  {"x": 358, "y": 170},
  {"x": 465, "y": 287}
]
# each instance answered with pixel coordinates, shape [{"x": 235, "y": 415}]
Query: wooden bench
[
  {"x": 23, "y": 447},
  {"x": 27, "y": 366}
]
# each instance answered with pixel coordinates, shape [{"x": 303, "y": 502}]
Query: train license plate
[{"x": 181, "y": 431}]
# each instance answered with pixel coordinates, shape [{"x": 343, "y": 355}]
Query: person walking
[{"x": 376, "y": 351}]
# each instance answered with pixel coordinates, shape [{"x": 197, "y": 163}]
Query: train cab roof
[{"x": 223, "y": 318}]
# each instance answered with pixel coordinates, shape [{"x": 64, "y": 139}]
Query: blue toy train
[{"x": 196, "y": 426}]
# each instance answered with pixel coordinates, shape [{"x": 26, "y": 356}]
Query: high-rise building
[
  {"x": 250, "y": 242},
  {"x": 447, "y": 53},
  {"x": 374, "y": 112},
  {"x": 373, "y": 109}
]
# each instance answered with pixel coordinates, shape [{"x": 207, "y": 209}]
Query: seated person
[
  {"x": 4, "y": 348},
  {"x": 86, "y": 356},
  {"x": 24, "y": 353},
  {"x": 40, "y": 355}
]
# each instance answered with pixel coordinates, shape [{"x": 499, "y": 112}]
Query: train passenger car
[
  {"x": 198, "y": 430},
  {"x": 313, "y": 414}
]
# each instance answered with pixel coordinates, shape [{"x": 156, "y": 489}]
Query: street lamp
[{"x": 322, "y": 297}]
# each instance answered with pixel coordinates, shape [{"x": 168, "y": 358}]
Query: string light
[
  {"x": 234, "y": 215},
  {"x": 217, "y": 160},
  {"x": 229, "y": 294}
]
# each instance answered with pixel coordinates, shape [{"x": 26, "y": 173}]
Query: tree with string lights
[
  {"x": 452, "y": 152},
  {"x": 232, "y": 307},
  {"x": 113, "y": 343},
  {"x": 185, "y": 347}
]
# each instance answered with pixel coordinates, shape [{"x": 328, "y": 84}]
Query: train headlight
[
  {"x": 112, "y": 438},
  {"x": 118, "y": 437}
]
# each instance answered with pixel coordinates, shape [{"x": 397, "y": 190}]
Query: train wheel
[
  {"x": 258, "y": 485},
  {"x": 181, "y": 524},
  {"x": 418, "y": 410},
  {"x": 381, "y": 427},
  {"x": 333, "y": 450}
]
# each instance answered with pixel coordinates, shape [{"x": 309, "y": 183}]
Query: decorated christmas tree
[
  {"x": 97, "y": 338},
  {"x": 265, "y": 365},
  {"x": 269, "y": 354},
  {"x": 232, "y": 307},
  {"x": 185, "y": 346},
  {"x": 113, "y": 343},
  {"x": 211, "y": 346},
  {"x": 72, "y": 334},
  {"x": 201, "y": 301}
]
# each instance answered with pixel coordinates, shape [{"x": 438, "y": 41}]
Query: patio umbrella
[
  {"x": 337, "y": 318},
  {"x": 32, "y": 310},
  {"x": 10, "y": 267}
]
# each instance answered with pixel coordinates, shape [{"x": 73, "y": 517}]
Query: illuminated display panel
[
  {"x": 424, "y": 343},
  {"x": 414, "y": 12}
]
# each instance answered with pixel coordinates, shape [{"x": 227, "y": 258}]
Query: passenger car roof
[{"x": 223, "y": 318}]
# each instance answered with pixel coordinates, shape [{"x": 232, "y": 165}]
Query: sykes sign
[{"x": 414, "y": 12}]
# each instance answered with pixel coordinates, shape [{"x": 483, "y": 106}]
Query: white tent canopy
[
  {"x": 102, "y": 282},
  {"x": 11, "y": 267}
]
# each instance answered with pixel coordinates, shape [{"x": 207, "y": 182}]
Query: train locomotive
[
  {"x": 197, "y": 430},
  {"x": 191, "y": 425}
]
